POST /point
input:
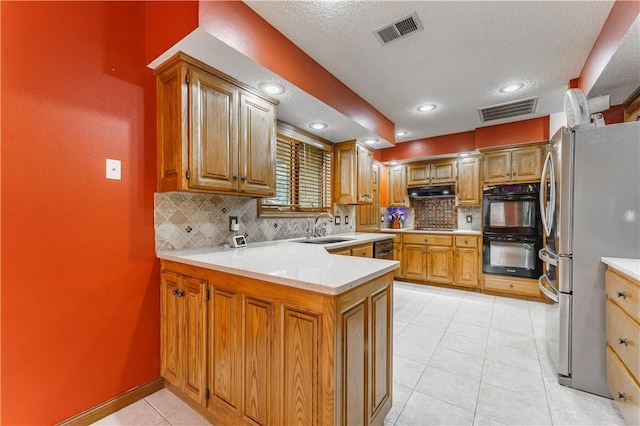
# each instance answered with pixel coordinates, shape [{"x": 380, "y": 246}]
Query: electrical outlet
[
  {"x": 233, "y": 223},
  {"x": 337, "y": 220},
  {"x": 469, "y": 218}
]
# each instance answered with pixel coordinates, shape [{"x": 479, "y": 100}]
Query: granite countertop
[
  {"x": 628, "y": 267},
  {"x": 456, "y": 232},
  {"x": 294, "y": 264}
]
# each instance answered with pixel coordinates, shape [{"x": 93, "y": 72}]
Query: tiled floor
[
  {"x": 460, "y": 358},
  {"x": 463, "y": 358}
]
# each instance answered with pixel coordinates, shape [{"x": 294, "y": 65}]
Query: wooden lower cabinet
[
  {"x": 440, "y": 264},
  {"x": 182, "y": 333},
  {"x": 276, "y": 355},
  {"x": 440, "y": 259}
]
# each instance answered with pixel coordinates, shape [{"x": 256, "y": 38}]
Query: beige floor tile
[
  {"x": 166, "y": 402},
  {"x": 138, "y": 413}
]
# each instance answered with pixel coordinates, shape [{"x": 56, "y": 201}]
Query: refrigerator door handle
[
  {"x": 553, "y": 295},
  {"x": 548, "y": 213},
  {"x": 548, "y": 257}
]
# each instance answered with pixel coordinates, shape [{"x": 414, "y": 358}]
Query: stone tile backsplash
[
  {"x": 189, "y": 220},
  {"x": 476, "y": 218}
]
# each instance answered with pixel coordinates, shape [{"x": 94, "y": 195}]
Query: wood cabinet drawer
[
  {"x": 624, "y": 390},
  {"x": 623, "y": 335},
  {"x": 625, "y": 293},
  {"x": 466, "y": 241},
  {"x": 430, "y": 239},
  {"x": 364, "y": 250},
  {"x": 512, "y": 285}
]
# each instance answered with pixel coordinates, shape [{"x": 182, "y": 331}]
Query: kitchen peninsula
[{"x": 279, "y": 332}]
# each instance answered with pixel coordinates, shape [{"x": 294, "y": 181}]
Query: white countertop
[
  {"x": 286, "y": 262},
  {"x": 456, "y": 232},
  {"x": 628, "y": 267}
]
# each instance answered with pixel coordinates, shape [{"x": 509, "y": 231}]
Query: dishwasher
[{"x": 383, "y": 249}]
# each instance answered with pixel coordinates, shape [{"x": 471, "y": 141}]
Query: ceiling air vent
[
  {"x": 508, "y": 109},
  {"x": 398, "y": 29}
]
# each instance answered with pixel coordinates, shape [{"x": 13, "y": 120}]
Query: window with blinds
[{"x": 303, "y": 176}]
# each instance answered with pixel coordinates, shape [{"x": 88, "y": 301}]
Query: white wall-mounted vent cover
[
  {"x": 398, "y": 29},
  {"x": 508, "y": 109}
]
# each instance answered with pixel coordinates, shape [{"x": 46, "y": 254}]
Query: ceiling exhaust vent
[
  {"x": 508, "y": 109},
  {"x": 398, "y": 29}
]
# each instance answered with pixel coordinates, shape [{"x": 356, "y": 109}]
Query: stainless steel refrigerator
[{"x": 590, "y": 206}]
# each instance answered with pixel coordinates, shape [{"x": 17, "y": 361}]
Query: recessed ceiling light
[
  {"x": 370, "y": 141},
  {"x": 272, "y": 88},
  {"x": 401, "y": 133},
  {"x": 318, "y": 125},
  {"x": 512, "y": 88},
  {"x": 427, "y": 107}
]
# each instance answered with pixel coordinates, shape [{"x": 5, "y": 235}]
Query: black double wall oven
[{"x": 512, "y": 230}]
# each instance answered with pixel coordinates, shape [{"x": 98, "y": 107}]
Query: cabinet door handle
[
  {"x": 236, "y": 177},
  {"x": 622, "y": 396},
  {"x": 622, "y": 294},
  {"x": 174, "y": 292},
  {"x": 623, "y": 341},
  {"x": 244, "y": 178}
]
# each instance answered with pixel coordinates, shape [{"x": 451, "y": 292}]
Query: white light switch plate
[{"x": 113, "y": 169}]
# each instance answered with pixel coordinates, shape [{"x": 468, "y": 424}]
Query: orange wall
[
  {"x": 240, "y": 27},
  {"x": 80, "y": 304},
  {"x": 533, "y": 130},
  {"x": 438, "y": 145},
  {"x": 167, "y": 22}
]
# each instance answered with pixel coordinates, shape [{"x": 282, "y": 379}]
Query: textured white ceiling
[{"x": 466, "y": 52}]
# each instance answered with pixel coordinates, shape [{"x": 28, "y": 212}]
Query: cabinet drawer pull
[
  {"x": 622, "y": 294},
  {"x": 426, "y": 240},
  {"x": 623, "y": 341},
  {"x": 622, "y": 396}
]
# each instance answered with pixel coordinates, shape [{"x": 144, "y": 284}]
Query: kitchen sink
[{"x": 324, "y": 240}]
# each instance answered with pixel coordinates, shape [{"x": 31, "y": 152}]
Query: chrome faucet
[{"x": 319, "y": 231}]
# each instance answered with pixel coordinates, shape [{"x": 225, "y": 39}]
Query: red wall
[
  {"x": 80, "y": 303},
  {"x": 240, "y": 27},
  {"x": 533, "y": 130}
]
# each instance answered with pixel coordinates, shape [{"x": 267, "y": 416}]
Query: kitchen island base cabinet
[{"x": 278, "y": 355}]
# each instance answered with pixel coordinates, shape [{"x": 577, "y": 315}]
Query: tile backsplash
[
  {"x": 190, "y": 220},
  {"x": 440, "y": 212},
  {"x": 476, "y": 218}
]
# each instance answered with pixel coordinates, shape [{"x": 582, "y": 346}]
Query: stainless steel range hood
[{"x": 431, "y": 191}]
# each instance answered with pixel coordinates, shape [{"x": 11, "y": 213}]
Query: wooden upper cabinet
[
  {"x": 435, "y": 173},
  {"x": 397, "y": 191},
  {"x": 368, "y": 215},
  {"x": 443, "y": 172},
  {"x": 257, "y": 155},
  {"x": 469, "y": 181},
  {"x": 215, "y": 134},
  {"x": 418, "y": 174},
  {"x": 354, "y": 166},
  {"x": 522, "y": 164},
  {"x": 213, "y": 139},
  {"x": 527, "y": 164}
]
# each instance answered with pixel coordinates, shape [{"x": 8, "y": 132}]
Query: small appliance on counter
[{"x": 396, "y": 221}]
